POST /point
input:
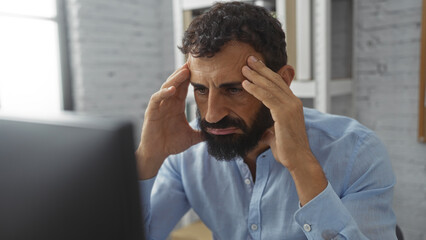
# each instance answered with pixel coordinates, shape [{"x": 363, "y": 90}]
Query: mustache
[{"x": 225, "y": 122}]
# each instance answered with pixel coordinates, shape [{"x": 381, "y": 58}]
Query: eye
[
  {"x": 234, "y": 90},
  {"x": 200, "y": 90}
]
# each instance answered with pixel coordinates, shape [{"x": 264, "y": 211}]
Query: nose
[{"x": 216, "y": 108}]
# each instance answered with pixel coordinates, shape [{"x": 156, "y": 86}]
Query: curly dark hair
[{"x": 238, "y": 21}]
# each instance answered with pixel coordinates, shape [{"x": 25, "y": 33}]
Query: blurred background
[{"x": 359, "y": 58}]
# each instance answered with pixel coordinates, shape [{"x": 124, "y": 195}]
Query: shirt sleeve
[
  {"x": 364, "y": 209},
  {"x": 163, "y": 201}
]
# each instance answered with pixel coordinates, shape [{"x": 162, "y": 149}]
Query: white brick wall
[
  {"x": 120, "y": 54},
  {"x": 387, "y": 49}
]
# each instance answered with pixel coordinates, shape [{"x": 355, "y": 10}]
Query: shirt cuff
[
  {"x": 145, "y": 188},
  {"x": 325, "y": 216}
]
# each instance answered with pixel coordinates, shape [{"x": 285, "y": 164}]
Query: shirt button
[
  {"x": 254, "y": 227},
  {"x": 307, "y": 227},
  {"x": 247, "y": 181}
]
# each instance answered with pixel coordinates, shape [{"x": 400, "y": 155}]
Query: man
[{"x": 259, "y": 165}]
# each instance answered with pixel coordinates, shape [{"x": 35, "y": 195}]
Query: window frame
[
  {"x": 64, "y": 56},
  {"x": 65, "y": 85}
]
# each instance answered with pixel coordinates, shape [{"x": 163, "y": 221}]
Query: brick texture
[
  {"x": 120, "y": 53},
  {"x": 387, "y": 45}
]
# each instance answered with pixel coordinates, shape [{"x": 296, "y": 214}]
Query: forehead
[{"x": 224, "y": 66}]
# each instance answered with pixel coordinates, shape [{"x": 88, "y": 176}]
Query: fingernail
[{"x": 253, "y": 59}]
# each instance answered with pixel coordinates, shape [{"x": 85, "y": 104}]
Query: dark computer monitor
[{"x": 68, "y": 177}]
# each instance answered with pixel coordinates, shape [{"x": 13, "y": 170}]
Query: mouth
[{"x": 222, "y": 131}]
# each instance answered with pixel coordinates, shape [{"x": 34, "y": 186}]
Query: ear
[{"x": 287, "y": 73}]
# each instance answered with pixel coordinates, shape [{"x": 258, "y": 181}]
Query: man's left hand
[{"x": 287, "y": 138}]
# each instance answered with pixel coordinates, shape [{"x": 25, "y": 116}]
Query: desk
[{"x": 194, "y": 231}]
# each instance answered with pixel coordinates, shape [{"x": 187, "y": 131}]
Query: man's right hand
[{"x": 165, "y": 129}]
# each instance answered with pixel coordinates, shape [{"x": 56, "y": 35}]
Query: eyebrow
[{"x": 223, "y": 85}]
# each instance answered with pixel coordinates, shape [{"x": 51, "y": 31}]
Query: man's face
[{"x": 231, "y": 120}]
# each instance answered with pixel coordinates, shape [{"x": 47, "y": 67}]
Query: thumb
[
  {"x": 268, "y": 137},
  {"x": 196, "y": 137}
]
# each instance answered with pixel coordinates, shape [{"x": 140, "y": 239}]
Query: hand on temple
[{"x": 165, "y": 129}]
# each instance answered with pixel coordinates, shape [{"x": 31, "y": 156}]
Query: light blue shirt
[{"x": 357, "y": 203}]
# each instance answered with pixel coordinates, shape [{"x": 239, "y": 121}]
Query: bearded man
[{"x": 258, "y": 165}]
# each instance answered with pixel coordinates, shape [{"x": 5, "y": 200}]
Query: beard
[{"x": 227, "y": 147}]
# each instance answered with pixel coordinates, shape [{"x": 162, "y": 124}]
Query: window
[{"x": 30, "y": 66}]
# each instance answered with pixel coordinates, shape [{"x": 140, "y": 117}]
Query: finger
[
  {"x": 267, "y": 84},
  {"x": 182, "y": 90},
  {"x": 175, "y": 72},
  {"x": 161, "y": 95},
  {"x": 177, "y": 77},
  {"x": 268, "y": 98},
  {"x": 261, "y": 81},
  {"x": 268, "y": 136},
  {"x": 184, "y": 66},
  {"x": 269, "y": 139},
  {"x": 263, "y": 70}
]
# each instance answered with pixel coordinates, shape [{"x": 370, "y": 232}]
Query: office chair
[{"x": 399, "y": 233}]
